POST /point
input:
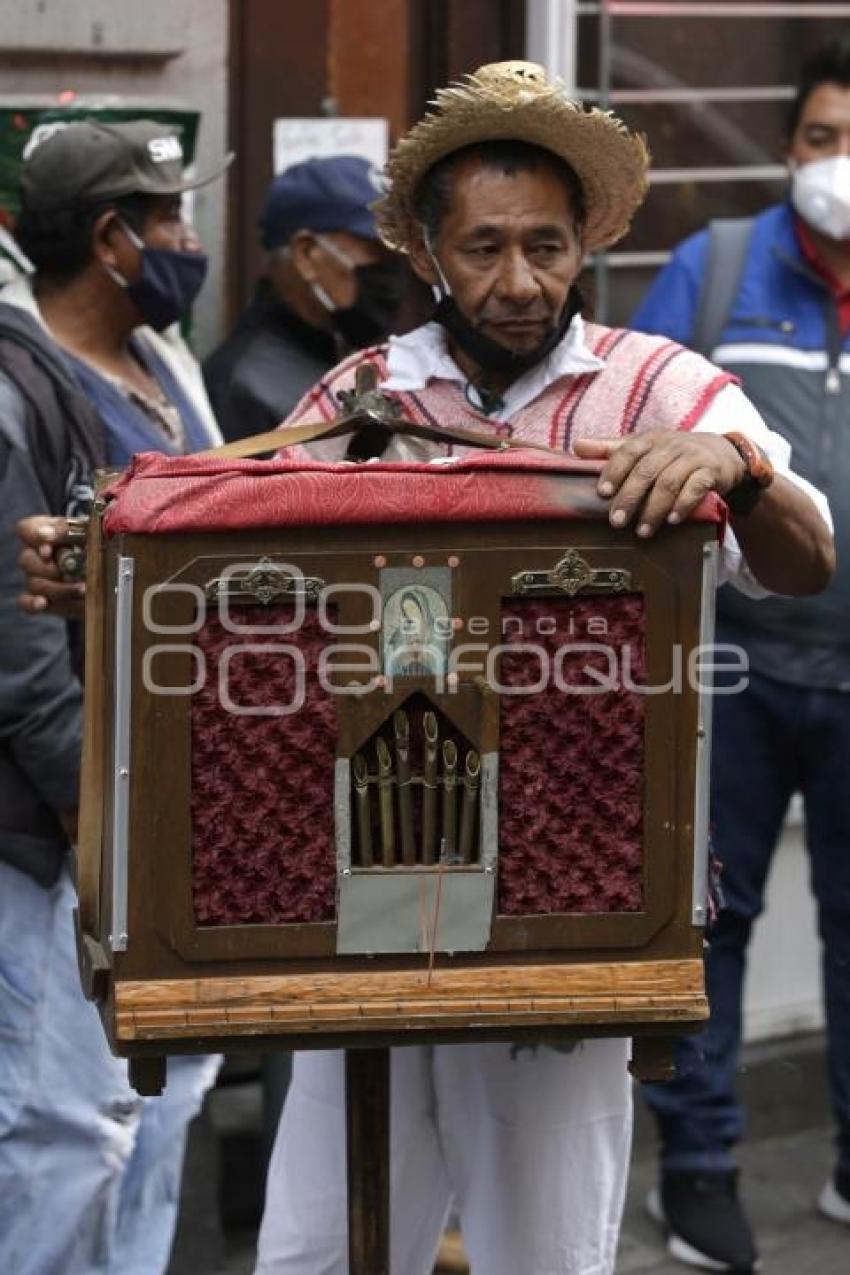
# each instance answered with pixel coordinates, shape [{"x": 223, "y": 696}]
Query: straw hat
[{"x": 514, "y": 100}]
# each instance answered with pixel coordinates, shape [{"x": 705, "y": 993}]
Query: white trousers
[{"x": 530, "y": 1147}]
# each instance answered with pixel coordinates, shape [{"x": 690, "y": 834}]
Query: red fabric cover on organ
[
  {"x": 197, "y": 493},
  {"x": 262, "y": 787},
  {"x": 571, "y": 765}
]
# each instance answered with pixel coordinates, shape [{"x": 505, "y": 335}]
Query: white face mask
[{"x": 820, "y": 192}]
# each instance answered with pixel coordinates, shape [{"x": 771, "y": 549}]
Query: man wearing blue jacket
[{"x": 786, "y": 334}]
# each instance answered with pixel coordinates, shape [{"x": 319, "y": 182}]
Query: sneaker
[
  {"x": 834, "y": 1201},
  {"x": 705, "y": 1222}
]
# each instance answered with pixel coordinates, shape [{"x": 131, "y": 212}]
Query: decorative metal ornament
[
  {"x": 573, "y": 574},
  {"x": 367, "y": 400},
  {"x": 265, "y": 583}
]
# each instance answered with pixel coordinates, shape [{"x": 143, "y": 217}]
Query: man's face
[
  {"x": 823, "y": 130},
  {"x": 510, "y": 250}
]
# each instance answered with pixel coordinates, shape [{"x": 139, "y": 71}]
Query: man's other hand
[{"x": 45, "y": 591}]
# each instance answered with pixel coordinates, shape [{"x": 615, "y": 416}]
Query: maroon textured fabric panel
[
  {"x": 571, "y": 765},
  {"x": 262, "y": 787},
  {"x": 198, "y": 493}
]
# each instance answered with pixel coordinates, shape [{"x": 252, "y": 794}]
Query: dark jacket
[
  {"x": 50, "y": 442},
  {"x": 256, "y": 377},
  {"x": 782, "y": 339}
]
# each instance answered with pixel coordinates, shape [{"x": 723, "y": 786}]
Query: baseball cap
[
  {"x": 321, "y": 195},
  {"x": 86, "y": 161}
]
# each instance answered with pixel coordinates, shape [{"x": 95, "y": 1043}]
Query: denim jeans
[
  {"x": 89, "y": 1171},
  {"x": 770, "y": 741}
]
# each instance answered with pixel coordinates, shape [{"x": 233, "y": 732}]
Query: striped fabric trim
[
  {"x": 705, "y": 399},
  {"x": 420, "y": 410},
  {"x": 560, "y": 421},
  {"x": 654, "y": 367},
  {"x": 609, "y": 342}
]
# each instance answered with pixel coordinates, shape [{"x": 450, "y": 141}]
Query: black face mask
[
  {"x": 490, "y": 355},
  {"x": 380, "y": 288}
]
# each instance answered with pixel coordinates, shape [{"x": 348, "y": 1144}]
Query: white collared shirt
[{"x": 422, "y": 356}]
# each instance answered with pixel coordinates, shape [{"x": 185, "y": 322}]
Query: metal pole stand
[{"x": 367, "y": 1123}]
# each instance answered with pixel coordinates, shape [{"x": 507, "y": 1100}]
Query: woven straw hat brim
[{"x": 611, "y": 163}]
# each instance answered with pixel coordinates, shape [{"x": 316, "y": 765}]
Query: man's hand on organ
[{"x": 661, "y": 477}]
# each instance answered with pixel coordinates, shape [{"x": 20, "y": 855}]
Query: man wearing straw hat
[{"x": 497, "y": 195}]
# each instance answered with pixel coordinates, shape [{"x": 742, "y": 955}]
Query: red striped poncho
[{"x": 648, "y": 383}]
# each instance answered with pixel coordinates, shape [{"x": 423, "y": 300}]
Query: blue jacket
[{"x": 782, "y": 339}]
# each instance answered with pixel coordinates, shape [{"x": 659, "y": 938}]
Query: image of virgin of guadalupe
[{"x": 416, "y": 633}]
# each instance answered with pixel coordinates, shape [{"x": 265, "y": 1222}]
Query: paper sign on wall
[{"x": 294, "y": 140}]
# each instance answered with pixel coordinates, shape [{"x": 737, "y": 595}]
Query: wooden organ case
[{"x": 382, "y": 754}]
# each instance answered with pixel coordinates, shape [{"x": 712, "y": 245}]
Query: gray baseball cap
[{"x": 86, "y": 162}]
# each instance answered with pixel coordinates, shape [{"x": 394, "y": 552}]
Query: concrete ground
[{"x": 784, "y": 1163}]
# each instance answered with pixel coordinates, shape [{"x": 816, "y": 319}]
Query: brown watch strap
[
  {"x": 759, "y": 468},
  {"x": 758, "y": 476}
]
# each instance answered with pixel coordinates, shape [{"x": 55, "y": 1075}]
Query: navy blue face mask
[{"x": 168, "y": 283}]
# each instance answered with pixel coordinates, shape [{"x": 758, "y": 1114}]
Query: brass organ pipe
[
  {"x": 430, "y": 731},
  {"x": 360, "y": 772},
  {"x": 469, "y": 805},
  {"x": 385, "y": 802},
  {"x": 449, "y": 800},
  {"x": 401, "y": 731}
]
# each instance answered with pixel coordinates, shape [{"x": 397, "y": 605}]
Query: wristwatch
[{"x": 758, "y": 476}]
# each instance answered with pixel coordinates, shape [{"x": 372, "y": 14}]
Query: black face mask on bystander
[{"x": 380, "y": 288}]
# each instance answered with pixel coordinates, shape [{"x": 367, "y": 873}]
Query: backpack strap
[{"x": 728, "y": 241}]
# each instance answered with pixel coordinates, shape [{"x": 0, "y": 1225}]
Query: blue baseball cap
[{"x": 321, "y": 195}]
